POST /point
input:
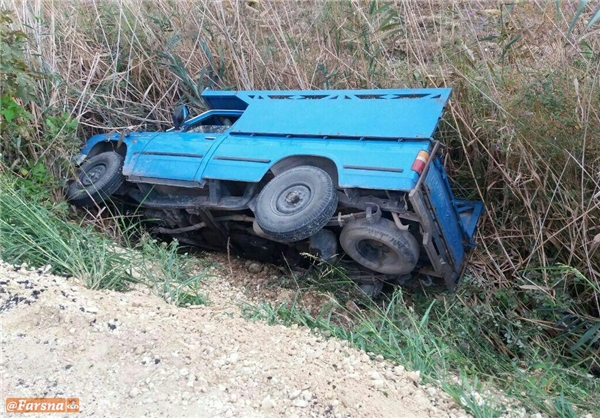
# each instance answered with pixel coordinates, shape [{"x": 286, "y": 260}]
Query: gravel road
[{"x": 132, "y": 354}]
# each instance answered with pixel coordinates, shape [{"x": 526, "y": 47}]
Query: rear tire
[
  {"x": 97, "y": 179},
  {"x": 296, "y": 204},
  {"x": 380, "y": 246}
]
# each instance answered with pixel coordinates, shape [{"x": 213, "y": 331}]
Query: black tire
[
  {"x": 380, "y": 246},
  {"x": 97, "y": 179},
  {"x": 296, "y": 204}
]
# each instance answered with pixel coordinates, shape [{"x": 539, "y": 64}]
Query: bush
[{"x": 16, "y": 92}]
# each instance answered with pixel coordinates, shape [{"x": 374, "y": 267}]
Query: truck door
[{"x": 173, "y": 157}]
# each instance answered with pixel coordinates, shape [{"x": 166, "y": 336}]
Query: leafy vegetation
[{"x": 16, "y": 91}]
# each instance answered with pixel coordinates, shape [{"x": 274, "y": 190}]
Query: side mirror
[{"x": 180, "y": 115}]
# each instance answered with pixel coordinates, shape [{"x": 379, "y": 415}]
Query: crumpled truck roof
[{"x": 361, "y": 114}]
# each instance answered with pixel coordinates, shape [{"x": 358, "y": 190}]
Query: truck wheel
[
  {"x": 296, "y": 204},
  {"x": 380, "y": 246},
  {"x": 98, "y": 178}
]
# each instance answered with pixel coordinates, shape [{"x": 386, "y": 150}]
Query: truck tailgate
[{"x": 449, "y": 223}]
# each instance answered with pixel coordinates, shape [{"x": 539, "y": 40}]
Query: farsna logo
[{"x": 42, "y": 405}]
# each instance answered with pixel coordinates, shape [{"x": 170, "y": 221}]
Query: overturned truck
[{"x": 350, "y": 175}]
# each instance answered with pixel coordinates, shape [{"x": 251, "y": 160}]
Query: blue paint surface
[
  {"x": 392, "y": 113},
  {"x": 371, "y": 136},
  {"x": 376, "y": 154}
]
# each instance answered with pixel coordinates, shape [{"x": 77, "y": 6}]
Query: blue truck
[{"x": 349, "y": 175}]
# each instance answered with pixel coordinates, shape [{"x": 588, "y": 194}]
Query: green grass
[
  {"x": 35, "y": 231},
  {"x": 430, "y": 336}
]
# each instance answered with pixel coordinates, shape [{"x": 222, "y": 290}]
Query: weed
[
  {"x": 16, "y": 92},
  {"x": 35, "y": 232},
  {"x": 169, "y": 272},
  {"x": 436, "y": 340}
]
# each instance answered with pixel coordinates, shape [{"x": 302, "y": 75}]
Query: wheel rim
[
  {"x": 376, "y": 252},
  {"x": 91, "y": 176},
  {"x": 292, "y": 199}
]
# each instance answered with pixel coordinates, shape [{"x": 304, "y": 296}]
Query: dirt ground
[{"x": 132, "y": 354}]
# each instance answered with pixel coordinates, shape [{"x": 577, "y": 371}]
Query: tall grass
[
  {"x": 521, "y": 130},
  {"x": 37, "y": 234}
]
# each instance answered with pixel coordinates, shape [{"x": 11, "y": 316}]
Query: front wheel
[{"x": 97, "y": 179}]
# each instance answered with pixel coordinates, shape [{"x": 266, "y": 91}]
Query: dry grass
[{"x": 521, "y": 131}]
